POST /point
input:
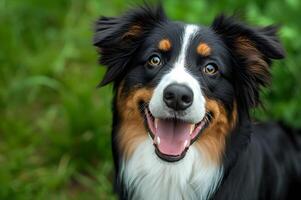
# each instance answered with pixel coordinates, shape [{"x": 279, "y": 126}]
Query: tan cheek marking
[
  {"x": 132, "y": 130},
  {"x": 212, "y": 140},
  {"x": 164, "y": 45},
  {"x": 203, "y": 49},
  {"x": 134, "y": 31}
]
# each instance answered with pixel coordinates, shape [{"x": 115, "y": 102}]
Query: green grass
[{"x": 55, "y": 124}]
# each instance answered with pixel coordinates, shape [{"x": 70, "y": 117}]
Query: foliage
[{"x": 55, "y": 124}]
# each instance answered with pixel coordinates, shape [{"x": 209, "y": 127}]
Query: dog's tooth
[
  {"x": 191, "y": 129},
  {"x": 156, "y": 123},
  {"x": 157, "y": 140},
  {"x": 186, "y": 143}
]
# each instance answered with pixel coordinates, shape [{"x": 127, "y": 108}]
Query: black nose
[{"x": 178, "y": 97}]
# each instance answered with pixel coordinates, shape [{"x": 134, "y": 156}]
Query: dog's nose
[{"x": 178, "y": 97}]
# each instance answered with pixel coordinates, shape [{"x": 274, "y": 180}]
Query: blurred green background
[{"x": 55, "y": 124}]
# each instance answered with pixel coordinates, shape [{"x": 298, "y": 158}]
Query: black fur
[
  {"x": 261, "y": 161},
  {"x": 266, "y": 165},
  {"x": 109, "y": 33},
  {"x": 264, "y": 40}
]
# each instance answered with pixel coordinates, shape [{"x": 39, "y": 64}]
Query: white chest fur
[{"x": 146, "y": 176}]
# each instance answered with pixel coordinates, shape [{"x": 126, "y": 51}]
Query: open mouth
[{"x": 173, "y": 137}]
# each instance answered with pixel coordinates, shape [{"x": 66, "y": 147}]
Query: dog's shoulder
[{"x": 268, "y": 168}]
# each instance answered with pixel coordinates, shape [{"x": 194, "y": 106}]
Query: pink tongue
[{"x": 173, "y": 135}]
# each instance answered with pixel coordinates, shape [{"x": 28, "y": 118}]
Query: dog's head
[{"x": 182, "y": 84}]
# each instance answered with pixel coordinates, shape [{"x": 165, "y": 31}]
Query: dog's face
[
  {"x": 182, "y": 84},
  {"x": 185, "y": 66}
]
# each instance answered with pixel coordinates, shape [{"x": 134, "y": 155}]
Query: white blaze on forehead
[
  {"x": 189, "y": 32},
  {"x": 180, "y": 74}
]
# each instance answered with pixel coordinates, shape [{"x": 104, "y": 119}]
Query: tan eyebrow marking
[
  {"x": 164, "y": 45},
  {"x": 203, "y": 49}
]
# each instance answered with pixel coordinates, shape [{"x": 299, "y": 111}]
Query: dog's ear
[
  {"x": 253, "y": 50},
  {"x": 118, "y": 38}
]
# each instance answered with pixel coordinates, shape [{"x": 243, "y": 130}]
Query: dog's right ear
[{"x": 118, "y": 38}]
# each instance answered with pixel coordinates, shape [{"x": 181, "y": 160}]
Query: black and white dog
[{"x": 183, "y": 93}]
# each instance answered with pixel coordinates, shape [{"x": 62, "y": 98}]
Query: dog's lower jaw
[{"x": 145, "y": 176}]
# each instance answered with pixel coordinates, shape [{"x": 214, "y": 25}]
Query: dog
[{"x": 181, "y": 109}]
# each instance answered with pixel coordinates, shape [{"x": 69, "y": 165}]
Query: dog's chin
[{"x": 173, "y": 137}]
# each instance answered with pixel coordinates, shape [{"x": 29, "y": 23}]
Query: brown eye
[
  {"x": 154, "y": 61},
  {"x": 210, "y": 69}
]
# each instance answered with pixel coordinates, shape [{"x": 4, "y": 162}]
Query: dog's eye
[
  {"x": 210, "y": 69},
  {"x": 154, "y": 61}
]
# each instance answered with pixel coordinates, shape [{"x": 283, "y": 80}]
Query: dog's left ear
[
  {"x": 118, "y": 38},
  {"x": 253, "y": 50}
]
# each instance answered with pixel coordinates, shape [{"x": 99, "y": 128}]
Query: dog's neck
[
  {"x": 237, "y": 142},
  {"x": 146, "y": 176}
]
